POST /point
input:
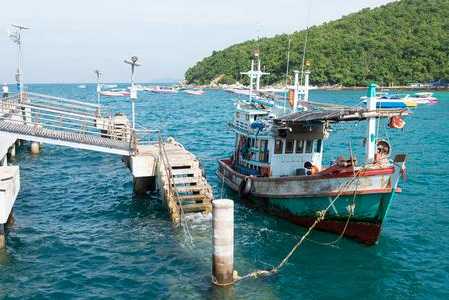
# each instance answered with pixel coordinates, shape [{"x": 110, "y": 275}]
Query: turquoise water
[{"x": 80, "y": 232}]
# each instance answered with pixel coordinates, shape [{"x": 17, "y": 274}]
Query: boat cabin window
[
  {"x": 318, "y": 146},
  {"x": 299, "y": 146},
  {"x": 278, "y": 145},
  {"x": 247, "y": 117},
  {"x": 309, "y": 146},
  {"x": 289, "y": 146}
]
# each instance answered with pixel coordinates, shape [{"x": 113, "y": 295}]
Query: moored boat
[
  {"x": 423, "y": 98},
  {"x": 277, "y": 166},
  {"x": 115, "y": 93},
  {"x": 194, "y": 92},
  {"x": 161, "y": 90}
]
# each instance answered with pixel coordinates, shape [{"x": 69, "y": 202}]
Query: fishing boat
[
  {"x": 194, "y": 92},
  {"x": 115, "y": 93},
  {"x": 277, "y": 165},
  {"x": 423, "y": 98},
  {"x": 161, "y": 90}
]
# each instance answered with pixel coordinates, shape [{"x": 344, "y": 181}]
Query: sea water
[{"x": 81, "y": 233}]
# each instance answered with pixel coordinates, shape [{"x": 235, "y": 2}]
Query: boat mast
[
  {"x": 371, "y": 105},
  {"x": 295, "y": 91}
]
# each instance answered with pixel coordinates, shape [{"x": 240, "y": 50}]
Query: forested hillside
[{"x": 398, "y": 43}]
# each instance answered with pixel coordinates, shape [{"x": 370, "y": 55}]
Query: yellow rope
[{"x": 321, "y": 216}]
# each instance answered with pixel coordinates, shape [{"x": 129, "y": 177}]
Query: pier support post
[
  {"x": 2, "y": 237},
  {"x": 223, "y": 242},
  {"x": 142, "y": 185},
  {"x": 11, "y": 219},
  {"x": 12, "y": 151},
  {"x": 35, "y": 148}
]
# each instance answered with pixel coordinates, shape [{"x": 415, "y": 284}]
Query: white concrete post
[
  {"x": 223, "y": 242},
  {"x": 35, "y": 148},
  {"x": 371, "y": 134}
]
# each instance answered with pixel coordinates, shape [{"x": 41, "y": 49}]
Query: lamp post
[
  {"x": 133, "y": 92},
  {"x": 98, "y": 74},
  {"x": 16, "y": 37}
]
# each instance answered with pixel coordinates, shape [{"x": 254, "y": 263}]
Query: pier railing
[{"x": 71, "y": 120}]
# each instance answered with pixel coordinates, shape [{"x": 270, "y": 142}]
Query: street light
[
  {"x": 133, "y": 92},
  {"x": 98, "y": 73},
  {"x": 16, "y": 37}
]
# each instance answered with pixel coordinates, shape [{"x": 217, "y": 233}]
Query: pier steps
[{"x": 182, "y": 182}]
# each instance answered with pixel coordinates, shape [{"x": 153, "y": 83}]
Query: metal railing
[{"x": 73, "y": 116}]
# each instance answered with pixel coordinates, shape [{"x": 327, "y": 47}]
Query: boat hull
[{"x": 298, "y": 199}]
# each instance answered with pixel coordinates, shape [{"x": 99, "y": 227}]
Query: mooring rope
[{"x": 321, "y": 216}]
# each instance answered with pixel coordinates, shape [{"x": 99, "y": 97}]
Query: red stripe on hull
[{"x": 364, "y": 232}]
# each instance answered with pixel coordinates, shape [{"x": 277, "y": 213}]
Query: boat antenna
[
  {"x": 286, "y": 71},
  {"x": 305, "y": 43},
  {"x": 16, "y": 36}
]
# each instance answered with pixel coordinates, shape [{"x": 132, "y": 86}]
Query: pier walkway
[{"x": 65, "y": 122}]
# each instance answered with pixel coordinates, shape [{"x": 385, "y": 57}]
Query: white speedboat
[
  {"x": 161, "y": 90},
  {"x": 115, "y": 93},
  {"x": 194, "y": 92}
]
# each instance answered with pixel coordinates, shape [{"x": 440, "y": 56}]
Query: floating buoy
[{"x": 396, "y": 122}]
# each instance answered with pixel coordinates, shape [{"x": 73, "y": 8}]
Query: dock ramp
[{"x": 182, "y": 181}]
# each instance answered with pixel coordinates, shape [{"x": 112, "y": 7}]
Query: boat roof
[{"x": 338, "y": 115}]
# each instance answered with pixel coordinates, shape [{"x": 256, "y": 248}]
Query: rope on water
[{"x": 321, "y": 216}]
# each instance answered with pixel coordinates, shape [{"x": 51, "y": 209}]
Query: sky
[{"x": 71, "y": 38}]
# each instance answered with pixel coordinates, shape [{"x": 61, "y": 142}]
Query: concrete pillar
[
  {"x": 35, "y": 148},
  {"x": 4, "y": 161},
  {"x": 142, "y": 185},
  {"x": 223, "y": 242},
  {"x": 2, "y": 237},
  {"x": 11, "y": 219}
]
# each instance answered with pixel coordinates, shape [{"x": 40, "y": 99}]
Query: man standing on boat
[{"x": 5, "y": 89}]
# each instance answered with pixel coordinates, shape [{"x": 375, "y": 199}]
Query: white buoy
[
  {"x": 223, "y": 242},
  {"x": 35, "y": 148}
]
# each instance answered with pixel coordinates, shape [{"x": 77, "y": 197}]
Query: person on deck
[{"x": 5, "y": 89}]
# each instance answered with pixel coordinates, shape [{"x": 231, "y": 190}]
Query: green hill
[{"x": 398, "y": 43}]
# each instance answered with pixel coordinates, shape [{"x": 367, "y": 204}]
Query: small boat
[
  {"x": 194, "y": 92},
  {"x": 161, "y": 90},
  {"x": 115, "y": 93},
  {"x": 423, "y": 98},
  {"x": 109, "y": 86},
  {"x": 385, "y": 100},
  {"x": 82, "y": 86}
]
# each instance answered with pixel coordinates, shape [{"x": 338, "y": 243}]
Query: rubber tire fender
[{"x": 245, "y": 187}]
